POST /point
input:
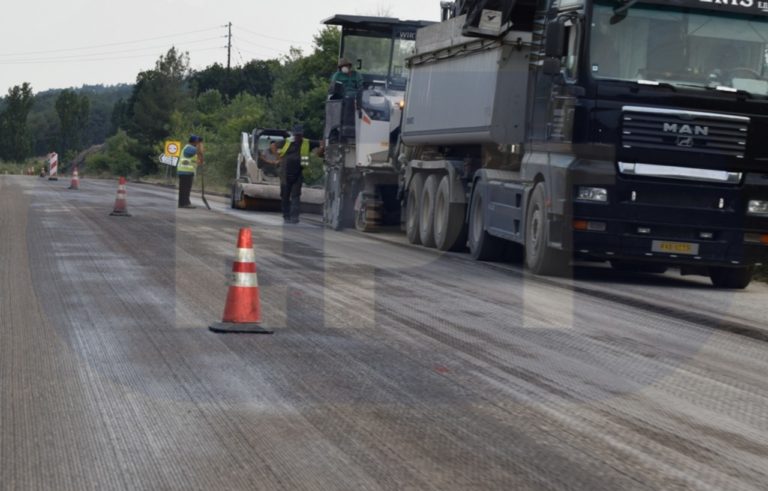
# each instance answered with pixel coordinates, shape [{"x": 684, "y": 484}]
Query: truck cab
[{"x": 652, "y": 132}]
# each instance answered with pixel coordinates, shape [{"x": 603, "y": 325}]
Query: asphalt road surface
[{"x": 391, "y": 366}]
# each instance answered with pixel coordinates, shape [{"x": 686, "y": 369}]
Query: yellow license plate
[{"x": 675, "y": 247}]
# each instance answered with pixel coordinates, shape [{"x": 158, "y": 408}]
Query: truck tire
[
  {"x": 239, "y": 199},
  {"x": 731, "y": 278},
  {"x": 450, "y": 232},
  {"x": 539, "y": 257},
  {"x": 412, "y": 209},
  {"x": 427, "y": 211},
  {"x": 482, "y": 245}
]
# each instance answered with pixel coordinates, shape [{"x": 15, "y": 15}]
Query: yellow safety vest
[
  {"x": 186, "y": 165},
  {"x": 303, "y": 151}
]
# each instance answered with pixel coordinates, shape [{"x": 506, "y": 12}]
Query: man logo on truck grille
[
  {"x": 686, "y": 129},
  {"x": 685, "y": 133}
]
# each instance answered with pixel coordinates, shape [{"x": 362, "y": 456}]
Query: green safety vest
[{"x": 186, "y": 166}]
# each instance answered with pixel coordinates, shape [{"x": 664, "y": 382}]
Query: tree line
[{"x": 170, "y": 101}]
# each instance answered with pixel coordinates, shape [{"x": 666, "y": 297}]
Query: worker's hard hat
[
  {"x": 344, "y": 62},
  {"x": 195, "y": 138}
]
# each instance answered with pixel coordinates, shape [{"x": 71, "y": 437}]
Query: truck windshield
[
  {"x": 680, "y": 46},
  {"x": 371, "y": 57}
]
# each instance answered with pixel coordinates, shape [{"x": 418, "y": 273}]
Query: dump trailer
[
  {"x": 360, "y": 128},
  {"x": 629, "y": 132},
  {"x": 257, "y": 184}
]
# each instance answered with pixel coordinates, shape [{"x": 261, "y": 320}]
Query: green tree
[
  {"x": 73, "y": 111},
  {"x": 302, "y": 83},
  {"x": 15, "y": 143},
  {"x": 156, "y": 96}
]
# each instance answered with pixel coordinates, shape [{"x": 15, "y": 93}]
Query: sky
[{"x": 61, "y": 44}]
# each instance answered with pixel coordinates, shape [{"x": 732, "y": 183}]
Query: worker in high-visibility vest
[
  {"x": 293, "y": 157},
  {"x": 191, "y": 158}
]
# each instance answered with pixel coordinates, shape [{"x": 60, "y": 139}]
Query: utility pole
[{"x": 229, "y": 45}]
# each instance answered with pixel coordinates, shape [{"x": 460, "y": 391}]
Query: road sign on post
[
  {"x": 172, "y": 148},
  {"x": 172, "y": 152}
]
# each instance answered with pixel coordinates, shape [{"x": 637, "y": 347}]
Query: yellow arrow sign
[{"x": 172, "y": 148}]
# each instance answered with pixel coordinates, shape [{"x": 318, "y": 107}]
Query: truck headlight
[
  {"x": 757, "y": 207},
  {"x": 592, "y": 194}
]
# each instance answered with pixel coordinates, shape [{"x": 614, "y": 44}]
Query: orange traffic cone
[
  {"x": 121, "y": 204},
  {"x": 75, "y": 183},
  {"x": 242, "y": 312}
]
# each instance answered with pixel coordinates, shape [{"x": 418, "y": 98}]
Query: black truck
[{"x": 633, "y": 132}]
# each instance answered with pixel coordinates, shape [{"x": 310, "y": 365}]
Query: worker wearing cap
[
  {"x": 294, "y": 155},
  {"x": 191, "y": 158},
  {"x": 350, "y": 79}
]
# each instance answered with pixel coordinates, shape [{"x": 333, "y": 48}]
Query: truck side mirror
[
  {"x": 338, "y": 89},
  {"x": 359, "y": 63},
  {"x": 554, "y": 44}
]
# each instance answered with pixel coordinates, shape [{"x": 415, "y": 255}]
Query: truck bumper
[{"x": 674, "y": 222}]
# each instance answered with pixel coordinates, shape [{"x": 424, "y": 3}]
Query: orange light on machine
[
  {"x": 589, "y": 226},
  {"x": 756, "y": 238},
  {"x": 580, "y": 225}
]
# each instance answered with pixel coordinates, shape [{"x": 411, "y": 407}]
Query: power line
[
  {"x": 261, "y": 46},
  {"x": 86, "y": 60},
  {"x": 240, "y": 55},
  {"x": 111, "y": 44},
  {"x": 259, "y": 56},
  {"x": 108, "y": 53},
  {"x": 265, "y": 36}
]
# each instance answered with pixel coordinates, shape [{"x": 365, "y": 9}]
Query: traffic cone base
[
  {"x": 242, "y": 312},
  {"x": 230, "y": 327}
]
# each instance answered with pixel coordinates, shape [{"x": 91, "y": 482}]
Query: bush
[
  {"x": 116, "y": 158},
  {"x": 23, "y": 168}
]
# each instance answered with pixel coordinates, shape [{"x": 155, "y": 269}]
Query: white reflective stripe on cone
[
  {"x": 248, "y": 280},
  {"x": 245, "y": 256}
]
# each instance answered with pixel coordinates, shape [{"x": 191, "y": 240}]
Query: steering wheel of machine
[{"x": 753, "y": 74}]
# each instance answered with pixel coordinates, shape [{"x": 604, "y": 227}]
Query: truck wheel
[
  {"x": 539, "y": 257},
  {"x": 241, "y": 200},
  {"x": 450, "y": 232},
  {"x": 412, "y": 209},
  {"x": 482, "y": 245},
  {"x": 334, "y": 200},
  {"x": 731, "y": 278},
  {"x": 427, "y": 211}
]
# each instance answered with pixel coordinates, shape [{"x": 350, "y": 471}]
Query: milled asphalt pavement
[{"x": 391, "y": 366}]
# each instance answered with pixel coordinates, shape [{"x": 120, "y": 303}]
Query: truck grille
[{"x": 684, "y": 131}]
